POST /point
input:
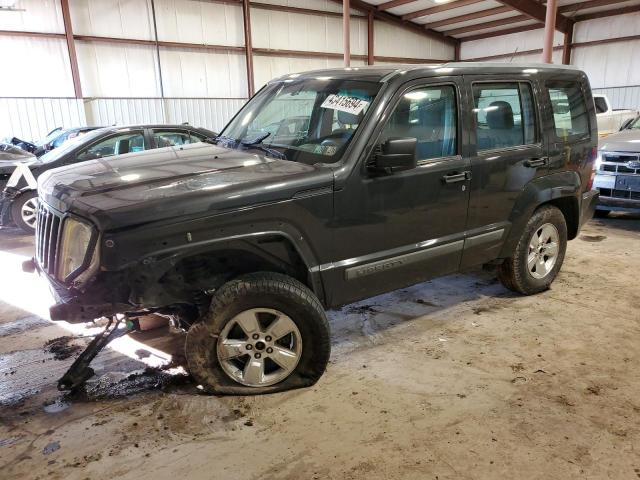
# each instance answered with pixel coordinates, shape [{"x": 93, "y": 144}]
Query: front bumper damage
[
  {"x": 6, "y": 200},
  {"x": 68, "y": 308}
]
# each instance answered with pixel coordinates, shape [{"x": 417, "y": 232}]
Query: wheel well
[
  {"x": 209, "y": 270},
  {"x": 570, "y": 209}
]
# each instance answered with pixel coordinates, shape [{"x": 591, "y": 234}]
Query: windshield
[
  {"x": 56, "y": 153},
  {"x": 56, "y": 132},
  {"x": 309, "y": 120}
]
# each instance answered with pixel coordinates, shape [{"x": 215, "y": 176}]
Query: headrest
[
  {"x": 346, "y": 118},
  {"x": 432, "y": 114},
  {"x": 123, "y": 146},
  {"x": 500, "y": 117}
]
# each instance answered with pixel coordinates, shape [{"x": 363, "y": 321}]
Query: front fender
[{"x": 547, "y": 189}]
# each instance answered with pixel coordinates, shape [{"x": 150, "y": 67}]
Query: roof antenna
[{"x": 513, "y": 54}]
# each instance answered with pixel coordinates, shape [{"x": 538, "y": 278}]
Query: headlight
[{"x": 74, "y": 246}]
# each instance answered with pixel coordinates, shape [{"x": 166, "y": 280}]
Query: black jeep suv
[{"x": 327, "y": 187}]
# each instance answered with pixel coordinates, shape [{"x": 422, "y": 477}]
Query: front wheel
[
  {"x": 538, "y": 255},
  {"x": 23, "y": 211},
  {"x": 264, "y": 332}
]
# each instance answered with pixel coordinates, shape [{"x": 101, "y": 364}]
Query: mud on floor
[{"x": 454, "y": 378}]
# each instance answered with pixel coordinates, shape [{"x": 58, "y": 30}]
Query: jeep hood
[
  {"x": 624, "y": 141},
  {"x": 189, "y": 181}
]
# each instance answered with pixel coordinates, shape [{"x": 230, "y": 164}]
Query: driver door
[{"x": 397, "y": 229}]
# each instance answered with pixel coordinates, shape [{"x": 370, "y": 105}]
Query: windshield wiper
[
  {"x": 257, "y": 143},
  {"x": 217, "y": 138}
]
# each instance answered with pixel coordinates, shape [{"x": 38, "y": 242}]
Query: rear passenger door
[{"x": 507, "y": 152}]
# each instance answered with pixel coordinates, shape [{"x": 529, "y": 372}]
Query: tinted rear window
[{"x": 570, "y": 115}]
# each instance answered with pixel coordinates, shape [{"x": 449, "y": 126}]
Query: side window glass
[
  {"x": 601, "y": 104},
  {"x": 505, "y": 115},
  {"x": 427, "y": 114},
  {"x": 570, "y": 115},
  {"x": 170, "y": 138},
  {"x": 116, "y": 145},
  {"x": 196, "y": 137}
]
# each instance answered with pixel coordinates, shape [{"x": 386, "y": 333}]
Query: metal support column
[
  {"x": 549, "y": 31},
  {"x": 248, "y": 48},
  {"x": 346, "y": 30},
  {"x": 71, "y": 46},
  {"x": 566, "y": 48},
  {"x": 370, "y": 33}
]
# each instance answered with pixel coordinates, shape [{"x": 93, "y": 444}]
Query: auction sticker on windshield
[{"x": 345, "y": 104}]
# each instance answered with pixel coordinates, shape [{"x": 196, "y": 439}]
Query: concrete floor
[{"x": 455, "y": 378}]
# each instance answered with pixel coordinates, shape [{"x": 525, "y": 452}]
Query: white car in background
[
  {"x": 618, "y": 171},
  {"x": 611, "y": 120}
]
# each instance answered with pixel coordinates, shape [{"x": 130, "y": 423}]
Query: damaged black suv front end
[{"x": 68, "y": 254}]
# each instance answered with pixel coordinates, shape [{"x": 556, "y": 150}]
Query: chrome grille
[
  {"x": 619, "y": 157},
  {"x": 616, "y": 162},
  {"x": 48, "y": 231}
]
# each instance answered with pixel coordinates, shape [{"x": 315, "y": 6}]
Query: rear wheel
[
  {"x": 23, "y": 211},
  {"x": 264, "y": 332},
  {"x": 539, "y": 254}
]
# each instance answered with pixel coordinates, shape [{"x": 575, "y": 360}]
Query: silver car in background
[{"x": 618, "y": 171}]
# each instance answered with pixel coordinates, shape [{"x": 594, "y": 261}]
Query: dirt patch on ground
[
  {"x": 62, "y": 347},
  {"x": 484, "y": 385},
  {"x": 593, "y": 238}
]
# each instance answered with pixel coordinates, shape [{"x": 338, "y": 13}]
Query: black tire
[
  {"x": 16, "y": 210},
  {"x": 601, "y": 213},
  {"x": 514, "y": 273},
  {"x": 259, "y": 290}
]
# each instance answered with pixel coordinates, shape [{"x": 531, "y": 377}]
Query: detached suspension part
[{"x": 80, "y": 372}]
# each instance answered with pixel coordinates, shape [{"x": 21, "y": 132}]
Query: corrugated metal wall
[
  {"x": 204, "y": 87},
  {"x": 622, "y": 97},
  {"x": 33, "y": 118},
  {"x": 212, "y": 113},
  {"x": 511, "y": 44},
  {"x": 613, "y": 68}
]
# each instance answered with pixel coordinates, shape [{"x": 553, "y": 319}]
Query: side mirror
[{"x": 398, "y": 155}]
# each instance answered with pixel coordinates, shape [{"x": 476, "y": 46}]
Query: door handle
[
  {"x": 456, "y": 177},
  {"x": 536, "y": 162}
]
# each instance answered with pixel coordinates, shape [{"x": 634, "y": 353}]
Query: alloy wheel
[
  {"x": 543, "y": 250},
  {"x": 259, "y": 347},
  {"x": 28, "y": 212}
]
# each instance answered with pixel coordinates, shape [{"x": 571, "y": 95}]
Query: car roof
[
  {"x": 118, "y": 128},
  {"x": 384, "y": 73}
]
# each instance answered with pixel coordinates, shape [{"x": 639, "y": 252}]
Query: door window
[
  {"x": 171, "y": 138},
  {"x": 505, "y": 115},
  {"x": 601, "y": 104},
  {"x": 116, "y": 145},
  {"x": 570, "y": 115},
  {"x": 427, "y": 114}
]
